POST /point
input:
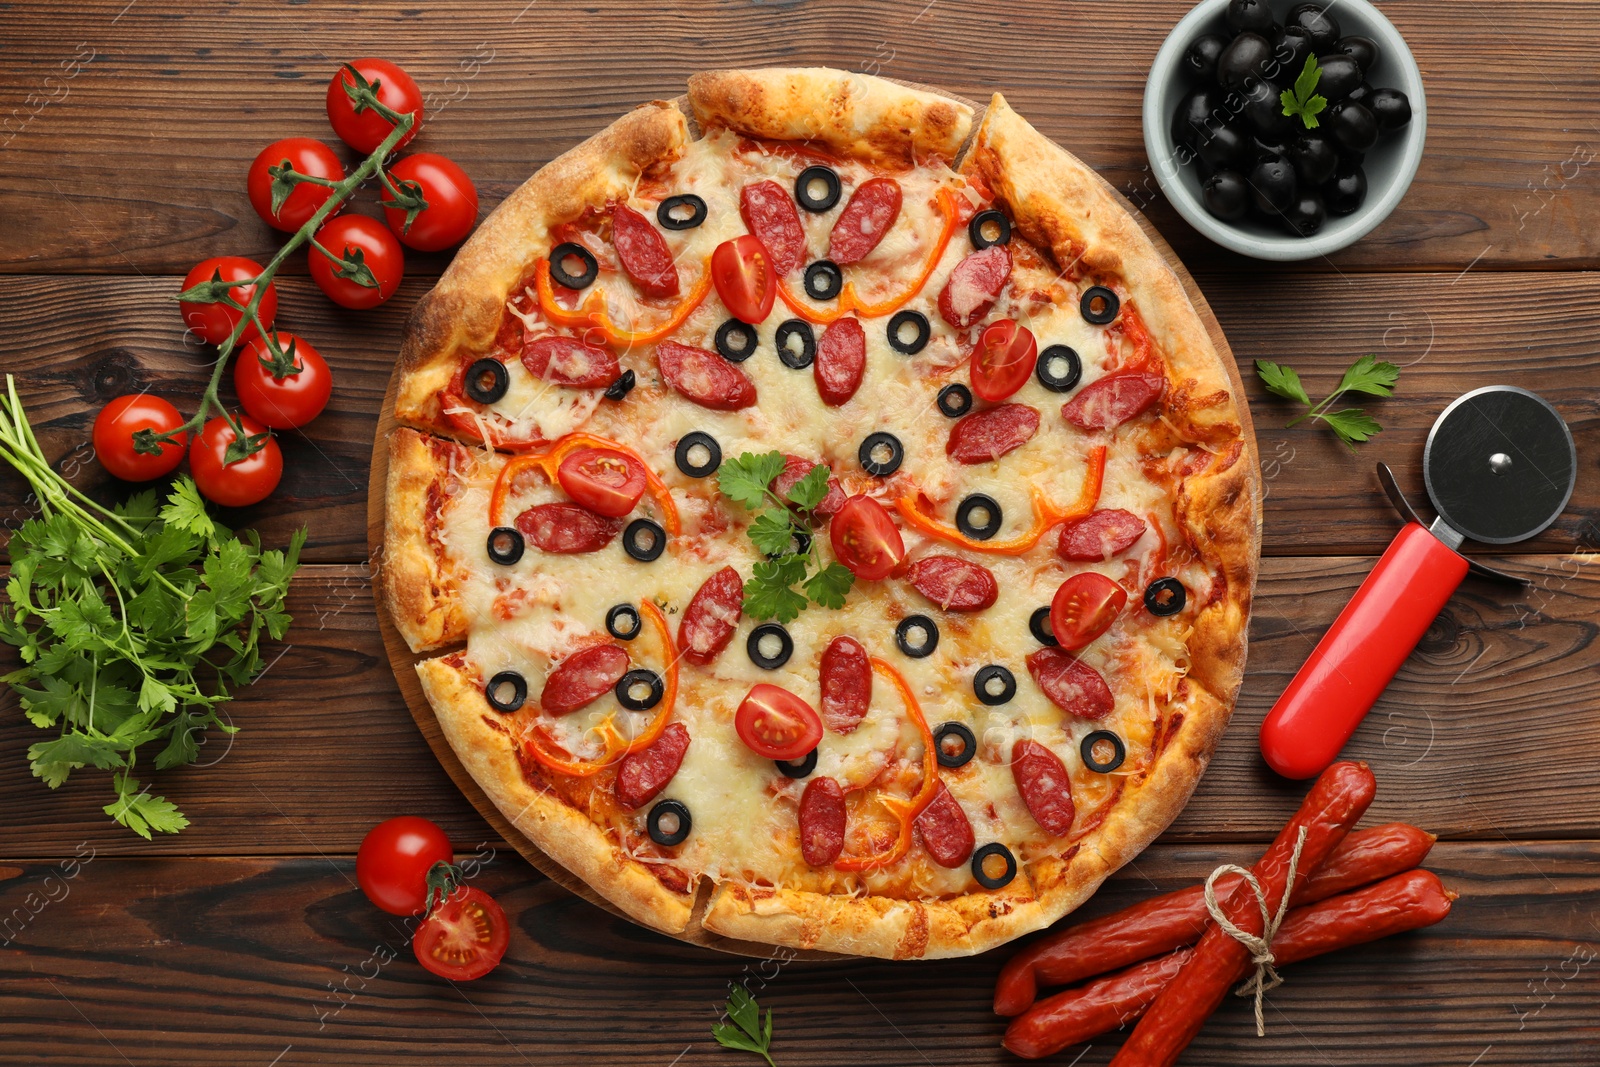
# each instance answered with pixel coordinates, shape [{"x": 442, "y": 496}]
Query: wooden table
[{"x": 244, "y": 939}]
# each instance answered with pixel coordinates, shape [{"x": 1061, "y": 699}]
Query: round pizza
[{"x": 830, "y": 523}]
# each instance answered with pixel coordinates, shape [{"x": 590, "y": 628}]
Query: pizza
[{"x": 824, "y": 517}]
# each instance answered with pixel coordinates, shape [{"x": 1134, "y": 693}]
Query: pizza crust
[{"x": 416, "y": 582}]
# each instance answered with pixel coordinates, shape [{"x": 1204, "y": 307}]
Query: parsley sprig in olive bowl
[{"x": 1281, "y": 129}]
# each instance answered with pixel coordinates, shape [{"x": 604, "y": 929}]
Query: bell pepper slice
[
  {"x": 549, "y": 459},
  {"x": 592, "y": 313},
  {"x": 1045, "y": 514},
  {"x": 905, "y": 812}
]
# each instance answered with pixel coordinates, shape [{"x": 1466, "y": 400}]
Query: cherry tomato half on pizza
[
  {"x": 741, "y": 269},
  {"x": 1003, "y": 360},
  {"x": 125, "y": 416},
  {"x": 452, "y": 203},
  {"x": 1084, "y": 608},
  {"x": 603, "y": 480},
  {"x": 774, "y": 723},
  {"x": 865, "y": 539}
]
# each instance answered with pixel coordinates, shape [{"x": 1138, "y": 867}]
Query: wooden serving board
[{"x": 404, "y": 661}]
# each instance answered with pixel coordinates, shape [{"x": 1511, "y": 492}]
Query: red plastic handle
[{"x": 1360, "y": 653}]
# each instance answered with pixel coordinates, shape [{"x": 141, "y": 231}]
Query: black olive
[
  {"x": 1227, "y": 195},
  {"x": 1273, "y": 185},
  {"x": 644, "y": 540},
  {"x": 499, "y": 699},
  {"x": 684, "y": 454},
  {"x": 736, "y": 341},
  {"x": 787, "y": 331},
  {"x": 823, "y": 280},
  {"x": 955, "y": 400},
  {"x": 559, "y": 257},
  {"x": 1058, "y": 369},
  {"x": 1252, "y": 15},
  {"x": 1340, "y": 75},
  {"x": 1245, "y": 60},
  {"x": 979, "y": 859},
  {"x": 984, "y": 221},
  {"x": 486, "y": 381},
  {"x": 948, "y": 756},
  {"x": 1314, "y": 157},
  {"x": 622, "y": 386},
  {"x": 1119, "y": 751},
  {"x": 1352, "y": 125},
  {"x": 1289, "y": 54},
  {"x": 1201, "y": 58},
  {"x": 1390, "y": 107},
  {"x": 1039, "y": 626},
  {"x": 984, "y": 685},
  {"x": 1324, "y": 27},
  {"x": 978, "y": 502},
  {"x": 805, "y": 193},
  {"x": 639, "y": 678},
  {"x": 769, "y": 631},
  {"x": 506, "y": 545},
  {"x": 926, "y": 640},
  {"x": 1266, "y": 148},
  {"x": 1347, "y": 192},
  {"x": 1165, "y": 596},
  {"x": 668, "y": 813},
  {"x": 623, "y": 622},
  {"x": 875, "y": 443},
  {"x": 1198, "y": 112},
  {"x": 797, "y": 768},
  {"x": 1228, "y": 148},
  {"x": 670, "y": 214},
  {"x": 1099, "y": 305},
  {"x": 1364, "y": 50},
  {"x": 921, "y": 331},
  {"x": 1263, "y": 110},
  {"x": 1306, "y": 215}
]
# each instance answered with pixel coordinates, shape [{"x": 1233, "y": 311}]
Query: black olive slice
[
  {"x": 984, "y": 221},
  {"x": 1039, "y": 626},
  {"x": 824, "y": 279},
  {"x": 688, "y": 445},
  {"x": 917, "y": 636},
  {"x": 955, "y": 400},
  {"x": 1165, "y": 596},
  {"x": 623, "y": 622},
  {"x": 979, "y": 863},
  {"x": 668, "y": 814},
  {"x": 486, "y": 381},
  {"x": 670, "y": 213},
  {"x": 918, "y": 322},
  {"x": 994, "y": 685},
  {"x": 644, "y": 540},
  {"x": 767, "y": 632},
  {"x": 636, "y": 679},
  {"x": 497, "y": 696},
  {"x": 787, "y": 331},
  {"x": 979, "y": 502},
  {"x": 1058, "y": 369},
  {"x": 736, "y": 341},
  {"x": 1119, "y": 751},
  {"x": 622, "y": 386},
  {"x": 872, "y": 446},
  {"x": 558, "y": 265},
  {"x": 1099, "y": 305},
  {"x": 797, "y": 768},
  {"x": 949, "y": 755},
  {"x": 804, "y": 195},
  {"x": 506, "y": 545}
]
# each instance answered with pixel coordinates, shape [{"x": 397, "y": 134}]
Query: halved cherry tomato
[
  {"x": 393, "y": 862},
  {"x": 282, "y": 393},
  {"x": 464, "y": 937},
  {"x": 865, "y": 538},
  {"x": 742, "y": 271},
  {"x": 357, "y": 236},
  {"x": 214, "y": 322},
  {"x": 125, "y": 416},
  {"x": 306, "y": 157},
  {"x": 452, "y": 203},
  {"x": 396, "y": 91},
  {"x": 605, "y": 481},
  {"x": 774, "y": 723},
  {"x": 241, "y": 482},
  {"x": 1084, "y": 608},
  {"x": 1003, "y": 360}
]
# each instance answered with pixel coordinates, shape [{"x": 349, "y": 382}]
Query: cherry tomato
[
  {"x": 396, "y": 91},
  {"x": 306, "y": 157},
  {"x": 603, "y": 480},
  {"x": 282, "y": 394},
  {"x": 344, "y": 237},
  {"x": 1084, "y": 608},
  {"x": 464, "y": 937},
  {"x": 774, "y": 723},
  {"x": 1003, "y": 360},
  {"x": 234, "y": 485},
  {"x": 865, "y": 538},
  {"x": 741, "y": 269},
  {"x": 452, "y": 203},
  {"x": 214, "y": 322},
  {"x": 394, "y": 859},
  {"x": 115, "y": 426}
]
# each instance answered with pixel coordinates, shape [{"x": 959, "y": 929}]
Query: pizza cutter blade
[{"x": 1499, "y": 466}]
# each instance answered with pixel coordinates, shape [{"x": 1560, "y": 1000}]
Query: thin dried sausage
[
  {"x": 1108, "y": 402},
  {"x": 987, "y": 435},
  {"x": 1099, "y": 535},
  {"x": 711, "y": 617},
  {"x": 567, "y": 529},
  {"x": 822, "y": 819},
  {"x": 705, "y": 377},
  {"x": 1045, "y": 785},
  {"x": 795, "y": 468},
  {"x": 846, "y": 676},
  {"x": 946, "y": 831},
  {"x": 582, "y": 678},
  {"x": 974, "y": 285},
  {"x": 841, "y": 361},
  {"x": 769, "y": 213},
  {"x": 569, "y": 361},
  {"x": 643, "y": 253},
  {"x": 1072, "y": 685},
  {"x": 954, "y": 584},
  {"x": 643, "y": 774},
  {"x": 872, "y": 209}
]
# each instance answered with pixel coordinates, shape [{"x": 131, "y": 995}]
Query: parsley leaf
[
  {"x": 830, "y": 584},
  {"x": 1352, "y": 424},
  {"x": 809, "y": 491},
  {"x": 770, "y": 593},
  {"x": 1282, "y": 381},
  {"x": 1303, "y": 101},
  {"x": 779, "y": 525},
  {"x": 1368, "y": 375},
  {"x": 772, "y": 532},
  {"x": 749, "y": 1031},
  {"x": 745, "y": 480}
]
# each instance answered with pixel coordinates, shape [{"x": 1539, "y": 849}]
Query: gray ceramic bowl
[{"x": 1390, "y": 165}]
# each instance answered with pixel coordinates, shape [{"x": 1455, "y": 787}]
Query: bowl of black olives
[{"x": 1284, "y": 130}]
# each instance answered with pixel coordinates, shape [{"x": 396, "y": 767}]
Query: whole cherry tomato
[
  {"x": 282, "y": 392},
  {"x": 774, "y": 723},
  {"x": 1084, "y": 608},
  {"x": 125, "y": 416},
  {"x": 452, "y": 203},
  {"x": 394, "y": 859},
  {"x": 214, "y": 322},
  {"x": 464, "y": 937},
  {"x": 306, "y": 157},
  {"x": 603, "y": 480},
  {"x": 865, "y": 539},
  {"x": 741, "y": 269},
  {"x": 357, "y": 237},
  {"x": 1003, "y": 360},
  {"x": 396, "y": 91},
  {"x": 245, "y": 481}
]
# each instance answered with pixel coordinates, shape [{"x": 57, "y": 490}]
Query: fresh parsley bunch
[
  {"x": 1368, "y": 375},
  {"x": 750, "y": 1031},
  {"x": 131, "y": 622},
  {"x": 781, "y": 531}
]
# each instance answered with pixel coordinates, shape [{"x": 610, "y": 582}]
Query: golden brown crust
[
  {"x": 415, "y": 577},
  {"x": 853, "y": 115}
]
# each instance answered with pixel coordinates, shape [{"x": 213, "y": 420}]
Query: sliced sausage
[
  {"x": 1099, "y": 535},
  {"x": 769, "y": 213},
  {"x": 954, "y": 584},
  {"x": 872, "y": 209},
  {"x": 846, "y": 676},
  {"x": 711, "y": 617},
  {"x": 841, "y": 361},
  {"x": 945, "y": 829},
  {"x": 974, "y": 285},
  {"x": 1108, "y": 402},
  {"x": 1073, "y": 686},
  {"x": 643, "y": 774},
  {"x": 821, "y": 822},
  {"x": 705, "y": 377},
  {"x": 795, "y": 468},
  {"x": 643, "y": 253},
  {"x": 569, "y": 361},
  {"x": 985, "y": 436},
  {"x": 582, "y": 678},
  {"x": 1045, "y": 785},
  {"x": 567, "y": 528}
]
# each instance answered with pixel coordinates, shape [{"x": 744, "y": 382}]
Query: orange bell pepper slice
[
  {"x": 905, "y": 812},
  {"x": 1045, "y": 514},
  {"x": 592, "y": 313},
  {"x": 548, "y": 460}
]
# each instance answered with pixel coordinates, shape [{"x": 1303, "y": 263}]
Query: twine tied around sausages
[{"x": 1266, "y": 977}]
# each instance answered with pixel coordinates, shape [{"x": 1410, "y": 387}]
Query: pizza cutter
[{"x": 1499, "y": 466}]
